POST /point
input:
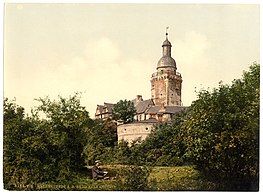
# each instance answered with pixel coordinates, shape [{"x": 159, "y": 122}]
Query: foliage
[
  {"x": 124, "y": 110},
  {"x": 133, "y": 178},
  {"x": 122, "y": 153},
  {"x": 67, "y": 122},
  {"x": 218, "y": 133},
  {"x": 158, "y": 179},
  {"x": 165, "y": 146},
  {"x": 25, "y": 148},
  {"x": 177, "y": 178},
  {"x": 101, "y": 139},
  {"x": 221, "y": 132},
  {"x": 37, "y": 150}
]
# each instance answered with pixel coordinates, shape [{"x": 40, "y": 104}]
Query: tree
[
  {"x": 221, "y": 130},
  {"x": 25, "y": 149},
  {"x": 101, "y": 139},
  {"x": 67, "y": 123},
  {"x": 122, "y": 153},
  {"x": 124, "y": 110},
  {"x": 164, "y": 146}
]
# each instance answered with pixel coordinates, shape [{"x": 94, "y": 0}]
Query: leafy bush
[
  {"x": 132, "y": 178},
  {"x": 221, "y": 131},
  {"x": 38, "y": 150}
]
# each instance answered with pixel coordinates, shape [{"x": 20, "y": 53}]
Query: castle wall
[{"x": 133, "y": 131}]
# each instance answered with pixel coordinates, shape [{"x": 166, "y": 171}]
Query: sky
[{"x": 109, "y": 51}]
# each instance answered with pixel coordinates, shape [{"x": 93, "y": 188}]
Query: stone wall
[{"x": 132, "y": 131}]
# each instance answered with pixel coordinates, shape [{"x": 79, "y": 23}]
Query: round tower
[{"x": 166, "y": 83}]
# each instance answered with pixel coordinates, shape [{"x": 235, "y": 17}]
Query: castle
[{"x": 166, "y": 86}]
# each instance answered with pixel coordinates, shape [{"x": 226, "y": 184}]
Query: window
[{"x": 146, "y": 129}]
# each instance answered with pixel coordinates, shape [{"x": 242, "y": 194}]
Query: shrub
[{"x": 133, "y": 178}]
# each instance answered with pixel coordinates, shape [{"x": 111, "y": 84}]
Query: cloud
[
  {"x": 192, "y": 48},
  {"x": 102, "y": 51},
  {"x": 103, "y": 72},
  {"x": 194, "y": 62}
]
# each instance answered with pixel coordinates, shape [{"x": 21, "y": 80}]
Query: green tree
[
  {"x": 101, "y": 140},
  {"x": 221, "y": 130},
  {"x": 67, "y": 122},
  {"x": 122, "y": 153},
  {"x": 26, "y": 155},
  {"x": 124, "y": 110},
  {"x": 164, "y": 146}
]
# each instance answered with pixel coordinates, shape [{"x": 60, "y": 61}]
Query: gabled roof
[
  {"x": 99, "y": 108},
  {"x": 142, "y": 106},
  {"x": 109, "y": 106},
  {"x": 153, "y": 110}
]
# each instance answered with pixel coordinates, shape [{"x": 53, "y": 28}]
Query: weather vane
[{"x": 166, "y": 31}]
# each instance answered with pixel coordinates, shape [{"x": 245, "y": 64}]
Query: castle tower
[{"x": 166, "y": 83}]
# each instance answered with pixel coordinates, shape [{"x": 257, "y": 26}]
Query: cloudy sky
[{"x": 109, "y": 51}]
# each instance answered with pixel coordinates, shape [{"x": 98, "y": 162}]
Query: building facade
[
  {"x": 104, "y": 111},
  {"x": 165, "y": 101}
]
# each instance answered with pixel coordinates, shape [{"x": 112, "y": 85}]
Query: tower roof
[
  {"x": 166, "y": 60},
  {"x": 166, "y": 43}
]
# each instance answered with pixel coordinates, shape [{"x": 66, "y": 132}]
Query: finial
[{"x": 166, "y": 32}]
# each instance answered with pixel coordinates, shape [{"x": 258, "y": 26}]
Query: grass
[
  {"x": 160, "y": 179},
  {"x": 182, "y": 178}
]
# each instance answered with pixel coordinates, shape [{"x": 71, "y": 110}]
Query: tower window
[
  {"x": 172, "y": 94},
  {"x": 161, "y": 94}
]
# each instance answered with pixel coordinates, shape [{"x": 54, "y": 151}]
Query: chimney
[{"x": 139, "y": 98}]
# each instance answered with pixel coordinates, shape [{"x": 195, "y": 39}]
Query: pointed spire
[
  {"x": 167, "y": 32},
  {"x": 166, "y": 45}
]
